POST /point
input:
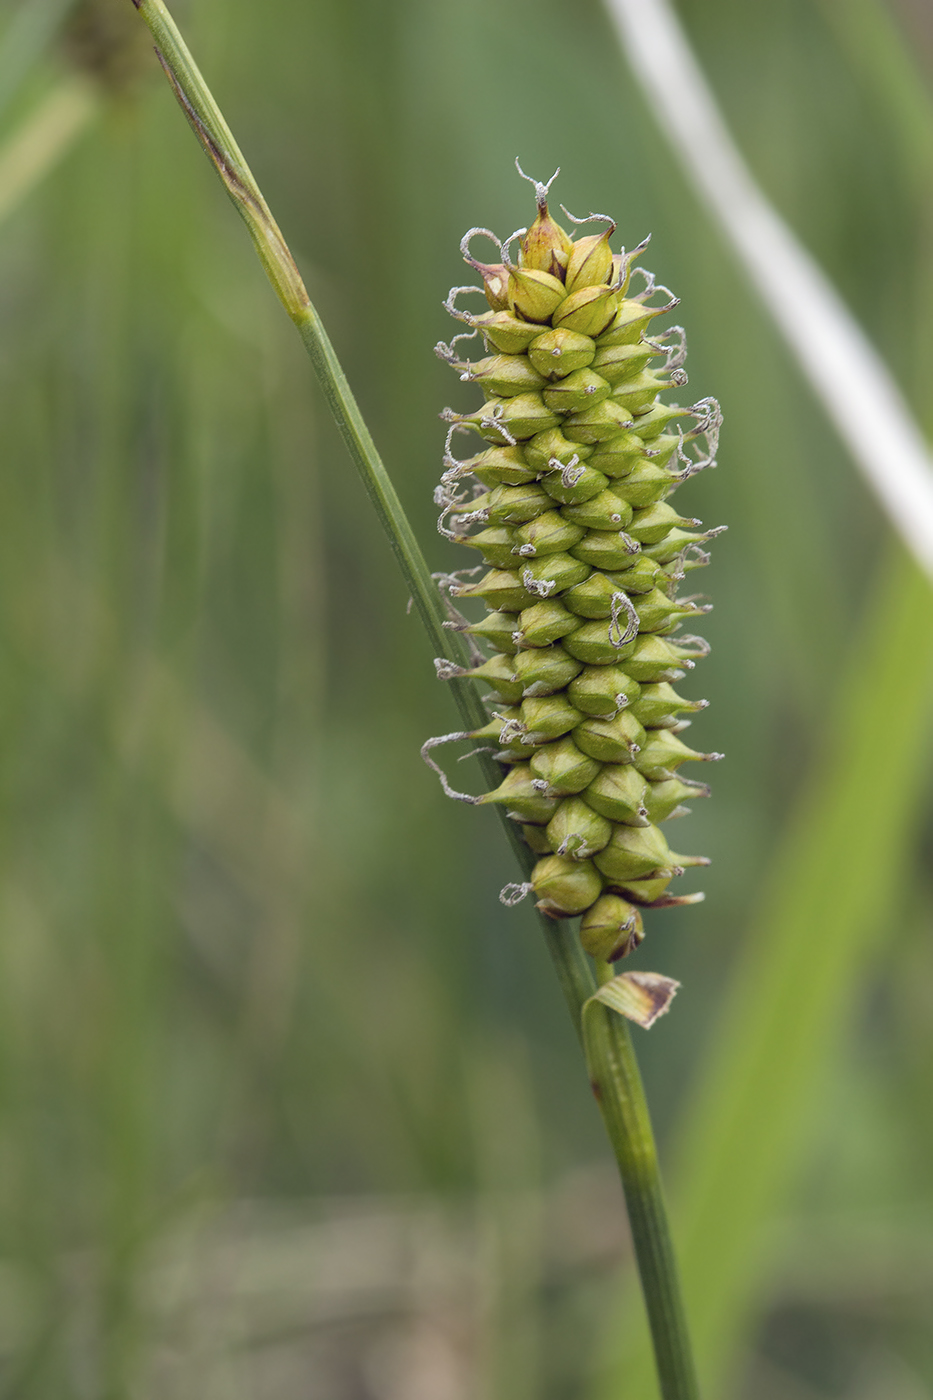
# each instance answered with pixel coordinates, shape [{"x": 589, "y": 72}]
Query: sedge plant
[{"x": 577, "y": 432}]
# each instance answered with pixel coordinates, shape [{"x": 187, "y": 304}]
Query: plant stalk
[
  {"x": 617, "y": 1085},
  {"x": 618, "y": 1088}
]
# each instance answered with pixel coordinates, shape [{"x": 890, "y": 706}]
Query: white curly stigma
[{"x": 541, "y": 190}]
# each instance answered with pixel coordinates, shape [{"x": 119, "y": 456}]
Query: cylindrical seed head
[{"x": 550, "y": 428}]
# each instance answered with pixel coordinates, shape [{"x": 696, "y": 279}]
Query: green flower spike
[{"x": 583, "y": 556}]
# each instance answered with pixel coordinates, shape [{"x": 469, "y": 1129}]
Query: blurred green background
[{"x": 289, "y": 1104}]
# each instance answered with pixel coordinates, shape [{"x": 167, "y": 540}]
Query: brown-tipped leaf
[{"x": 639, "y": 996}]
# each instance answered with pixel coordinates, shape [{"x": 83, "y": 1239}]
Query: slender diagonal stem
[
  {"x": 613, "y": 1066},
  {"x": 618, "y": 1084}
]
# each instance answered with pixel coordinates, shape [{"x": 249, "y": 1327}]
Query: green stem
[
  {"x": 215, "y": 136},
  {"x": 620, "y": 1094},
  {"x": 620, "y": 1091},
  {"x": 574, "y": 969}
]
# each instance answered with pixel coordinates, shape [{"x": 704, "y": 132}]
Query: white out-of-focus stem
[{"x": 843, "y": 367}]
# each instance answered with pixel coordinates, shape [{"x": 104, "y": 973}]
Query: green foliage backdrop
[{"x": 247, "y": 953}]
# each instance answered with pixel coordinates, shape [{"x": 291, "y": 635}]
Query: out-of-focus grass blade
[
  {"x": 842, "y": 366},
  {"x": 880, "y": 57},
  {"x": 25, "y": 37},
  {"x": 826, "y": 905},
  {"x": 33, "y": 150}
]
